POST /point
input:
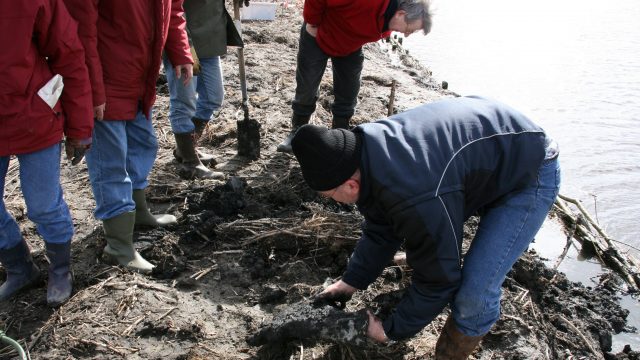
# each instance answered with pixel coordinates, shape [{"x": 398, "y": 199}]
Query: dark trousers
[{"x": 312, "y": 62}]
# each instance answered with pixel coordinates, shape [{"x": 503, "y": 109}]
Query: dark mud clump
[{"x": 304, "y": 322}]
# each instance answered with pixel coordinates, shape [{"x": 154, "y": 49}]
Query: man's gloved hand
[
  {"x": 336, "y": 295},
  {"x": 75, "y": 149}
]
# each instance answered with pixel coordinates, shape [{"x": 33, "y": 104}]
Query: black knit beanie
[{"x": 327, "y": 158}]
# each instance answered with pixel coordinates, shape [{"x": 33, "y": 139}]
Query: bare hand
[
  {"x": 336, "y": 294},
  {"x": 312, "y": 30},
  {"x": 375, "y": 330},
  {"x": 75, "y": 149},
  {"x": 98, "y": 112},
  {"x": 185, "y": 72}
]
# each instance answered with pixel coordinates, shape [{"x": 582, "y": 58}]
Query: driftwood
[
  {"x": 392, "y": 97},
  {"x": 594, "y": 240}
]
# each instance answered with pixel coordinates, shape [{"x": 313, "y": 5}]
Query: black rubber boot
[
  {"x": 60, "y": 282},
  {"x": 20, "y": 269},
  {"x": 296, "y": 122},
  {"x": 340, "y": 123},
  {"x": 191, "y": 167}
]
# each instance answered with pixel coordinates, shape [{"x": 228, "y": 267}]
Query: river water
[{"x": 573, "y": 66}]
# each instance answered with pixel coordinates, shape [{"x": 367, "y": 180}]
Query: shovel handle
[{"x": 241, "y": 72}]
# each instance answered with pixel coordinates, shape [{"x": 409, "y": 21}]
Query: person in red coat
[
  {"x": 45, "y": 95},
  {"x": 338, "y": 29},
  {"x": 124, "y": 41}
]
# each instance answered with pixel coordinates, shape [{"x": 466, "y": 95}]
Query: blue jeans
[
  {"x": 120, "y": 159},
  {"x": 311, "y": 64},
  {"x": 200, "y": 98},
  {"x": 504, "y": 233},
  {"x": 40, "y": 183}
]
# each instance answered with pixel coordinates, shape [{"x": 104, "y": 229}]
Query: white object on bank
[
  {"x": 52, "y": 90},
  {"x": 259, "y": 11}
]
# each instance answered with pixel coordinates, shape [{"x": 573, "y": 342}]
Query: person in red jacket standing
[
  {"x": 338, "y": 29},
  {"x": 44, "y": 95},
  {"x": 123, "y": 41}
]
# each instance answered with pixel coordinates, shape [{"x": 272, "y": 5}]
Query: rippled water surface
[{"x": 574, "y": 67}]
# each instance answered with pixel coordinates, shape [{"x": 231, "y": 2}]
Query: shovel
[{"x": 248, "y": 129}]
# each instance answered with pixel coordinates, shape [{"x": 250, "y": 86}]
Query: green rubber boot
[
  {"x": 144, "y": 216},
  {"x": 118, "y": 231}
]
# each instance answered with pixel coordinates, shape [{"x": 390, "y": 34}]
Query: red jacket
[
  {"x": 123, "y": 41},
  {"x": 38, "y": 40},
  {"x": 345, "y": 25}
]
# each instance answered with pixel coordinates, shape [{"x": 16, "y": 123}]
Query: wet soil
[{"x": 235, "y": 276}]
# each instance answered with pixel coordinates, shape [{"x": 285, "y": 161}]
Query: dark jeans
[{"x": 312, "y": 62}]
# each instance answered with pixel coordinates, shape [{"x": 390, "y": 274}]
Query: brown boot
[
  {"x": 340, "y": 122},
  {"x": 201, "y": 125},
  {"x": 205, "y": 158},
  {"x": 296, "y": 122},
  {"x": 191, "y": 166},
  {"x": 454, "y": 345}
]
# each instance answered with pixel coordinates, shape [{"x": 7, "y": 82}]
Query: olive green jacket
[{"x": 210, "y": 27}]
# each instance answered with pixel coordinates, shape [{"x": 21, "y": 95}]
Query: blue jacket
[{"x": 424, "y": 172}]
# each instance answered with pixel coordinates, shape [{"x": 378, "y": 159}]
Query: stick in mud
[{"x": 602, "y": 244}]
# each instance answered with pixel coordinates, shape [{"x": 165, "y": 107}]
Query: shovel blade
[{"x": 249, "y": 138}]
